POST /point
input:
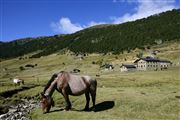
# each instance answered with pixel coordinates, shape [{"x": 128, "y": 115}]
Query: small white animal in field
[{"x": 17, "y": 81}]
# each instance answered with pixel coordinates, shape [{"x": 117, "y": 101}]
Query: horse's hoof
[
  {"x": 86, "y": 109},
  {"x": 94, "y": 110},
  {"x": 67, "y": 109}
]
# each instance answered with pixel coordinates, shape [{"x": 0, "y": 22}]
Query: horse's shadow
[
  {"x": 103, "y": 106},
  {"x": 98, "y": 107}
]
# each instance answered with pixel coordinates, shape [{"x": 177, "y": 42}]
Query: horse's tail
[
  {"x": 94, "y": 84},
  {"x": 50, "y": 81}
]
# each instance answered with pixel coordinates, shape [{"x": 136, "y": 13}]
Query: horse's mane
[{"x": 50, "y": 81}]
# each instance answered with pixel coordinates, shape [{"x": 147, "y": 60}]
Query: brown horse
[{"x": 69, "y": 84}]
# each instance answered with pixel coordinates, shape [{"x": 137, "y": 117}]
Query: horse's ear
[{"x": 42, "y": 94}]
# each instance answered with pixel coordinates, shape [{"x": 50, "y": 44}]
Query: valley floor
[
  {"x": 134, "y": 96},
  {"x": 139, "y": 95}
]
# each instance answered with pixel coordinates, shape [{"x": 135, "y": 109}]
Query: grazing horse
[
  {"x": 68, "y": 84},
  {"x": 17, "y": 81}
]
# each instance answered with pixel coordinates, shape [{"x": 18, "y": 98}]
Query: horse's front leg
[{"x": 68, "y": 103}]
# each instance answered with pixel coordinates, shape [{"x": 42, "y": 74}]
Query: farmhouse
[
  {"x": 107, "y": 66},
  {"x": 150, "y": 63},
  {"x": 164, "y": 64},
  {"x": 125, "y": 67}
]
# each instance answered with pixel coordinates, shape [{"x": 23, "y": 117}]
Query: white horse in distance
[{"x": 17, "y": 81}]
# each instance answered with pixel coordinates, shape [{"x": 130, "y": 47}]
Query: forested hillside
[
  {"x": 155, "y": 29},
  {"x": 1, "y": 42}
]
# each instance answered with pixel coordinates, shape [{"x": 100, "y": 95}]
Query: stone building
[
  {"x": 150, "y": 63},
  {"x": 125, "y": 67}
]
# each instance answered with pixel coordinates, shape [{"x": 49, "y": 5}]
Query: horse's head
[{"x": 46, "y": 102}]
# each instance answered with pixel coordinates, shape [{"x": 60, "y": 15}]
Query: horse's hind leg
[
  {"x": 93, "y": 88},
  {"x": 87, "y": 101},
  {"x": 93, "y": 96}
]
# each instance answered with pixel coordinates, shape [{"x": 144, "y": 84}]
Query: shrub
[{"x": 21, "y": 68}]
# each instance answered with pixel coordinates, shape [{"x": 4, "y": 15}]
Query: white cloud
[
  {"x": 146, "y": 8},
  {"x": 93, "y": 23},
  {"x": 66, "y": 26}
]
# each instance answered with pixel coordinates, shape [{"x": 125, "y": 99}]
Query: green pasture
[
  {"x": 147, "y": 95},
  {"x": 139, "y": 95}
]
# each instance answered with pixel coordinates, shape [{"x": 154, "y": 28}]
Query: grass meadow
[{"x": 140, "y": 95}]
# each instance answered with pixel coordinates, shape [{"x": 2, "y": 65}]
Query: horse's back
[
  {"x": 92, "y": 82},
  {"x": 79, "y": 84},
  {"x": 76, "y": 84},
  {"x": 89, "y": 78}
]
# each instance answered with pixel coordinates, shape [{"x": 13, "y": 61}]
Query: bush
[
  {"x": 93, "y": 62},
  {"x": 21, "y": 68},
  {"x": 139, "y": 55}
]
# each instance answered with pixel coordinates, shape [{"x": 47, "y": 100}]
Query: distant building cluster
[
  {"x": 107, "y": 66},
  {"x": 125, "y": 67},
  {"x": 148, "y": 63}
]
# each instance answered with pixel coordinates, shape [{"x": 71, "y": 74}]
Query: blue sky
[{"x": 33, "y": 18}]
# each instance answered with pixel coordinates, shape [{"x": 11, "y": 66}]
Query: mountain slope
[
  {"x": 1, "y": 42},
  {"x": 130, "y": 35},
  {"x": 103, "y": 38}
]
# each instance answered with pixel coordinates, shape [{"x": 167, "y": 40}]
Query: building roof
[
  {"x": 129, "y": 66},
  {"x": 107, "y": 65},
  {"x": 151, "y": 59},
  {"x": 165, "y": 61}
]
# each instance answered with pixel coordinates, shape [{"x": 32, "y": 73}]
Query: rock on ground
[{"x": 20, "y": 111}]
